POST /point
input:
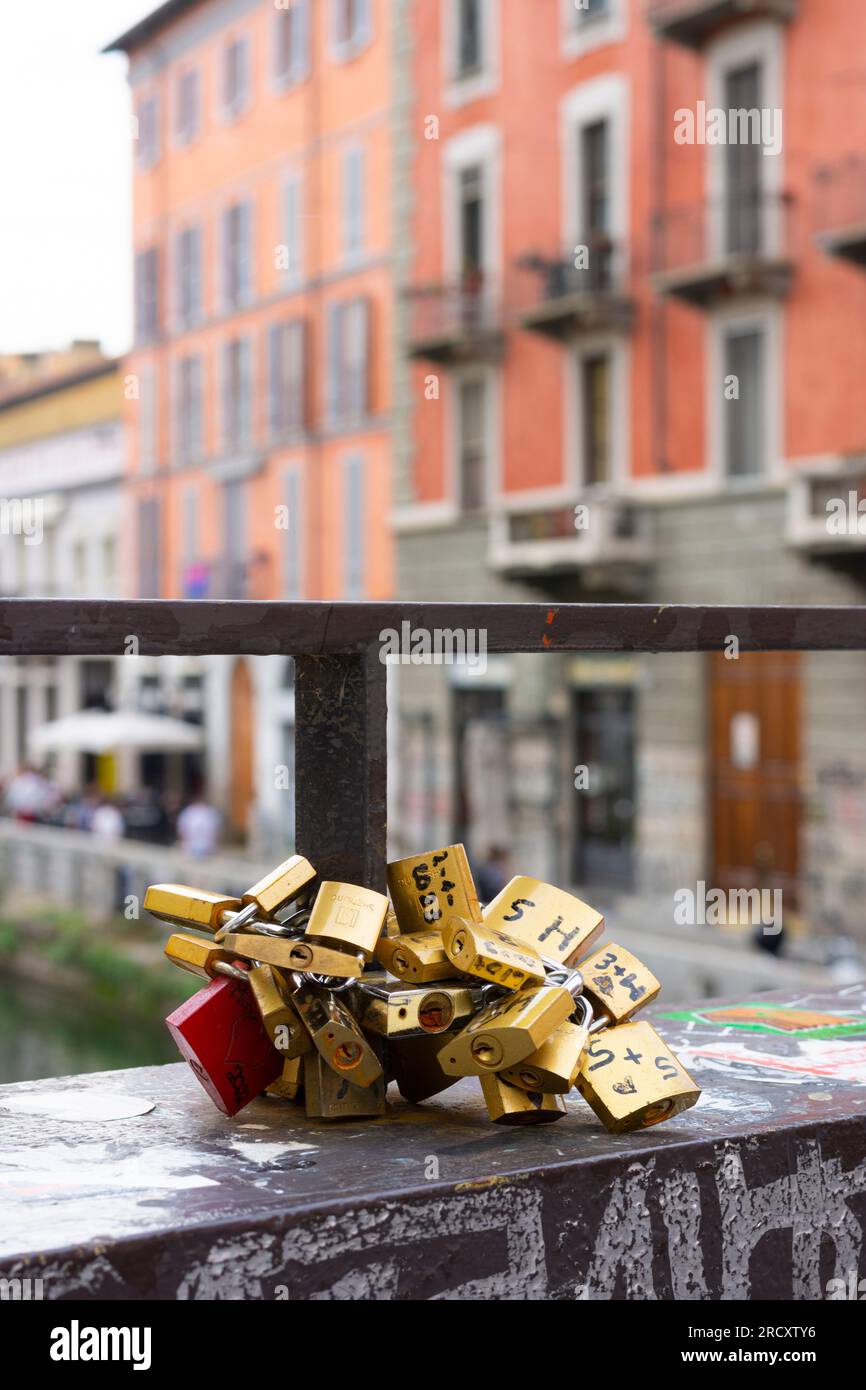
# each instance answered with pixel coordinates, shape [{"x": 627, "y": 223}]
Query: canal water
[{"x": 43, "y": 1033}]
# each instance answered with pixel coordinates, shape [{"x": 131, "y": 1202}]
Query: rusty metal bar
[{"x": 97, "y": 627}]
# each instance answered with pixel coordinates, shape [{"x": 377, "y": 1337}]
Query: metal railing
[{"x": 723, "y": 229}]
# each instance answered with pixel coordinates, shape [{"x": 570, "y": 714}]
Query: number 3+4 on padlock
[
  {"x": 221, "y": 1035},
  {"x": 631, "y": 1079}
]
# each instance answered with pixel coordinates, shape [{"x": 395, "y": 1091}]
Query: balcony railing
[
  {"x": 719, "y": 248},
  {"x": 581, "y": 289},
  {"x": 600, "y": 532},
  {"x": 692, "y": 22},
  {"x": 461, "y": 321},
  {"x": 840, "y": 202}
]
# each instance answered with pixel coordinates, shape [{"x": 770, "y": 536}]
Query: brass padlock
[
  {"x": 289, "y": 1084},
  {"x": 507, "y": 1031},
  {"x": 288, "y": 953},
  {"x": 281, "y": 886},
  {"x": 558, "y": 925},
  {"x": 334, "y": 1033},
  {"x": 553, "y": 1067},
  {"x": 202, "y": 957},
  {"x": 416, "y": 957},
  {"x": 428, "y": 889},
  {"x": 416, "y": 1068},
  {"x": 509, "y": 1105},
  {"x": 491, "y": 955},
  {"x": 189, "y": 907},
  {"x": 616, "y": 983},
  {"x": 347, "y": 918},
  {"x": 331, "y": 1095},
  {"x": 392, "y": 926},
  {"x": 631, "y": 1079},
  {"x": 391, "y": 1010},
  {"x": 282, "y": 1024}
]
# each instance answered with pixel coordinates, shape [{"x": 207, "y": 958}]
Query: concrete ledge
[{"x": 759, "y": 1192}]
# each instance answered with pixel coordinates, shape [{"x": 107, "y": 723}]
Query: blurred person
[
  {"x": 29, "y": 794},
  {"x": 493, "y": 874},
  {"x": 198, "y": 827},
  {"x": 107, "y": 822}
]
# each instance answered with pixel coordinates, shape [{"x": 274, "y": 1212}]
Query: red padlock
[{"x": 220, "y": 1033}]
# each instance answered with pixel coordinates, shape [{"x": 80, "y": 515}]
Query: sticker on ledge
[
  {"x": 775, "y": 1018},
  {"x": 91, "y": 1106},
  {"x": 814, "y": 1060}
]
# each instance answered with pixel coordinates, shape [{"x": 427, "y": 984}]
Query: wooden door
[
  {"x": 241, "y": 782},
  {"x": 755, "y": 708}
]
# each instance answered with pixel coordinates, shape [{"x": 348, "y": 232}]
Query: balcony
[
  {"x": 561, "y": 297},
  {"x": 455, "y": 323},
  {"x": 722, "y": 249},
  {"x": 601, "y": 537},
  {"x": 692, "y": 22},
  {"x": 840, "y": 197},
  {"x": 226, "y": 578},
  {"x": 826, "y": 508}
]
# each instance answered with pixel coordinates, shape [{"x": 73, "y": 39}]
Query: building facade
[
  {"x": 62, "y": 463},
  {"x": 632, "y": 302},
  {"x": 260, "y": 458}
]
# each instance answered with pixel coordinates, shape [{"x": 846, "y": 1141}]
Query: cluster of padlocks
[{"x": 322, "y": 993}]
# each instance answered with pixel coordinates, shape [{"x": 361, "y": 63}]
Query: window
[
  {"x": 291, "y": 497},
  {"x": 147, "y": 154},
  {"x": 354, "y": 527},
  {"x": 237, "y": 393},
  {"x": 471, "y": 218},
  {"x": 188, "y": 272},
  {"x": 287, "y": 385},
  {"x": 292, "y": 43},
  {"x": 147, "y": 322},
  {"x": 291, "y": 263},
  {"x": 594, "y": 194},
  {"x": 351, "y": 27},
  {"x": 187, "y": 106},
  {"x": 148, "y": 548},
  {"x": 237, "y": 255},
  {"x": 743, "y": 172},
  {"x": 744, "y": 416},
  {"x": 235, "y": 78},
  {"x": 147, "y": 420},
  {"x": 189, "y": 429},
  {"x": 235, "y": 551},
  {"x": 348, "y": 360},
  {"x": 472, "y": 436},
  {"x": 189, "y": 540},
  {"x": 353, "y": 202},
  {"x": 584, "y": 11},
  {"x": 469, "y": 55},
  {"x": 109, "y": 565},
  {"x": 595, "y": 387}
]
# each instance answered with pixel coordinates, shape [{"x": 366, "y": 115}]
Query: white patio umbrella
[{"x": 106, "y": 731}]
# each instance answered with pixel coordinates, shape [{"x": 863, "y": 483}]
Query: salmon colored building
[
  {"x": 633, "y": 308},
  {"x": 260, "y": 371}
]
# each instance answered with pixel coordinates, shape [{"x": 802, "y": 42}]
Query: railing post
[{"x": 341, "y": 765}]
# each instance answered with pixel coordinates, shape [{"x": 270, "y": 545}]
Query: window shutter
[
  {"x": 300, "y": 65},
  {"x": 292, "y": 587},
  {"x": 245, "y": 252},
  {"x": 245, "y": 384},
  {"x": 335, "y": 390},
  {"x": 363, "y": 22},
  {"x": 353, "y": 201},
  {"x": 353, "y": 526}
]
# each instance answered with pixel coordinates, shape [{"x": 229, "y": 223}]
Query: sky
[{"x": 65, "y": 174}]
